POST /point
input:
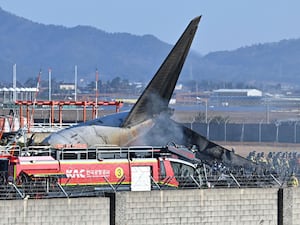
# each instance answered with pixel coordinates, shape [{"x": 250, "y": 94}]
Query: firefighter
[
  {"x": 270, "y": 161},
  {"x": 298, "y": 164},
  {"x": 261, "y": 159},
  {"x": 293, "y": 181},
  {"x": 285, "y": 163},
  {"x": 277, "y": 162},
  {"x": 251, "y": 156}
]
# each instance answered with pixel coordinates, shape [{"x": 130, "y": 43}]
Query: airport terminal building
[{"x": 226, "y": 97}]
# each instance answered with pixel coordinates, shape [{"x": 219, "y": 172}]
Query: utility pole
[
  {"x": 49, "y": 78},
  {"x": 75, "y": 83},
  {"x": 14, "y": 82},
  {"x": 96, "y": 93}
]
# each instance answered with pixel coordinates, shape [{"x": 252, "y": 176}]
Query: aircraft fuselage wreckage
[{"x": 149, "y": 122}]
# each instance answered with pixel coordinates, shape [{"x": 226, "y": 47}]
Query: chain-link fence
[{"x": 285, "y": 132}]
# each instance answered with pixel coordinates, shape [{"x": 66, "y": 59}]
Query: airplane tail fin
[{"x": 156, "y": 96}]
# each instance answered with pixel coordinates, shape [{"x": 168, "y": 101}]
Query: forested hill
[
  {"x": 33, "y": 46},
  {"x": 269, "y": 62}
]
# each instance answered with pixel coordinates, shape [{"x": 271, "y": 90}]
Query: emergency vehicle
[{"x": 104, "y": 167}]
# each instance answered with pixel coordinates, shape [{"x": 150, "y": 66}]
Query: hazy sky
[{"x": 225, "y": 25}]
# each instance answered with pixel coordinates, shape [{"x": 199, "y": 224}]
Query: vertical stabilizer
[{"x": 156, "y": 96}]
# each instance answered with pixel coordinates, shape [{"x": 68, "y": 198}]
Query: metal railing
[
  {"x": 97, "y": 152},
  {"x": 49, "y": 127}
]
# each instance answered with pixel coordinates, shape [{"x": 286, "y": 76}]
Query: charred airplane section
[{"x": 149, "y": 121}]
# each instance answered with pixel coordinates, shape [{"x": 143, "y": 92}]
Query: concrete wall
[
  {"x": 75, "y": 211},
  {"x": 270, "y": 206},
  {"x": 209, "y": 207},
  {"x": 291, "y": 206}
]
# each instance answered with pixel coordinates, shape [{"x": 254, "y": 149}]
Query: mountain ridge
[{"x": 34, "y": 46}]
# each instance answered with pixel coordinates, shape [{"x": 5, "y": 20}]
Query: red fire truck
[{"x": 110, "y": 167}]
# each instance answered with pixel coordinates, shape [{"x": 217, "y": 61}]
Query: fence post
[
  {"x": 225, "y": 131},
  {"x": 259, "y": 131},
  {"x": 242, "y": 133},
  {"x": 277, "y": 124},
  {"x": 280, "y": 207},
  {"x": 207, "y": 129},
  {"x": 295, "y": 132}
]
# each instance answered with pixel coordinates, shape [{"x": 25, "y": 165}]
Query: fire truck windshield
[{"x": 182, "y": 169}]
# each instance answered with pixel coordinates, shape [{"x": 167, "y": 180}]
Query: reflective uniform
[{"x": 293, "y": 181}]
